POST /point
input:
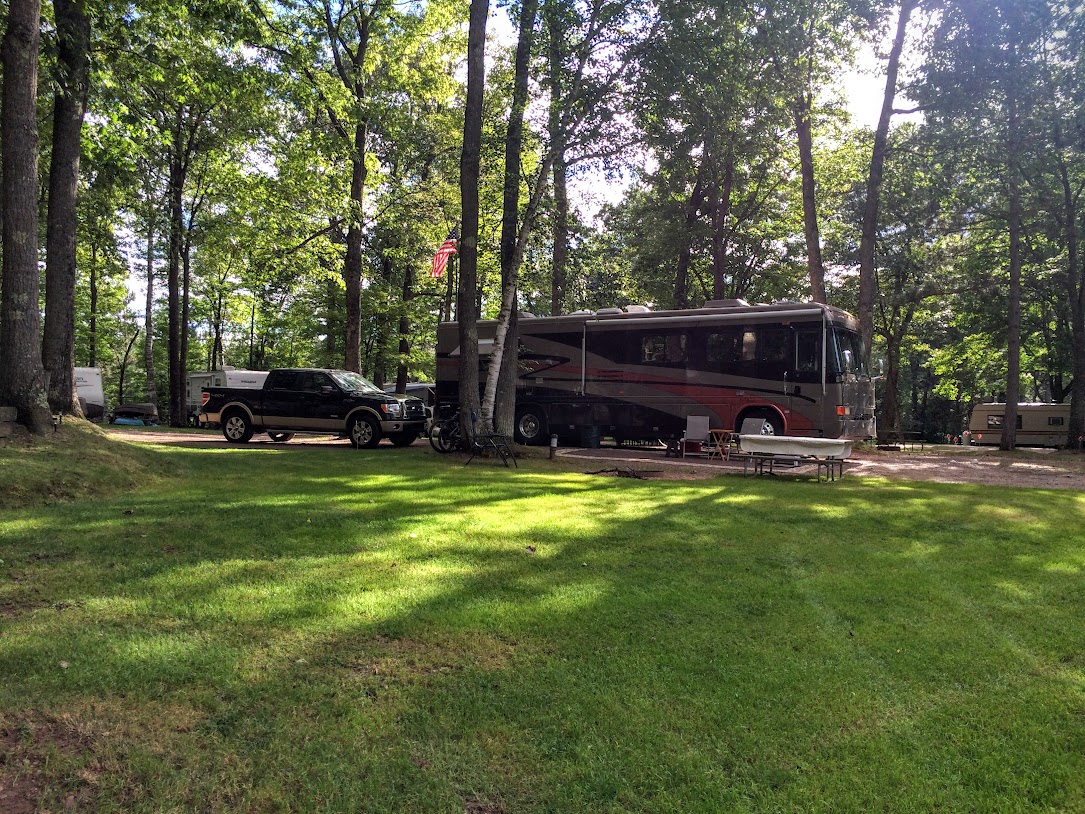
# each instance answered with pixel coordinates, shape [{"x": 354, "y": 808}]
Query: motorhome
[
  {"x": 1038, "y": 424},
  {"x": 223, "y": 377},
  {"x": 88, "y": 386},
  {"x": 636, "y": 374}
]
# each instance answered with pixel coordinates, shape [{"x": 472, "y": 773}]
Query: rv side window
[
  {"x": 773, "y": 352},
  {"x": 1054, "y": 421},
  {"x": 664, "y": 349},
  {"x": 722, "y": 350},
  {"x": 808, "y": 355}
]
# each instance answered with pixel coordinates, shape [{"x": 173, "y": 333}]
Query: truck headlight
[{"x": 392, "y": 408}]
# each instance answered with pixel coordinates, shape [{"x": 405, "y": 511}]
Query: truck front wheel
[
  {"x": 364, "y": 432},
  {"x": 236, "y": 427}
]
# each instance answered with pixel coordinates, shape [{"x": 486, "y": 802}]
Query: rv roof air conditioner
[
  {"x": 583, "y": 312},
  {"x": 608, "y": 311},
  {"x": 726, "y": 304},
  {"x": 637, "y": 309}
]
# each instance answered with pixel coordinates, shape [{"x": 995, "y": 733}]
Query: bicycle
[{"x": 445, "y": 435}]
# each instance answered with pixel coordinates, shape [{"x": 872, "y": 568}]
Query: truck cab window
[{"x": 282, "y": 380}]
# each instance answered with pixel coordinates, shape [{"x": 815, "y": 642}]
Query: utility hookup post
[{"x": 553, "y": 446}]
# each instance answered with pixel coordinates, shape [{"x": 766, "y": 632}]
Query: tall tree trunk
[
  {"x": 470, "y": 156},
  {"x": 22, "y": 376},
  {"x": 352, "y": 266},
  {"x": 69, "y": 108},
  {"x": 173, "y": 281},
  {"x": 558, "y": 282},
  {"x": 685, "y": 257},
  {"x": 332, "y": 328},
  {"x": 148, "y": 319},
  {"x": 92, "y": 317},
  {"x": 405, "y": 329},
  {"x": 503, "y": 367},
  {"x": 1075, "y": 296},
  {"x": 721, "y": 217},
  {"x": 891, "y": 404},
  {"x": 805, "y": 137},
  {"x": 186, "y": 281},
  {"x": 124, "y": 366},
  {"x": 1013, "y": 340},
  {"x": 867, "y": 281}
]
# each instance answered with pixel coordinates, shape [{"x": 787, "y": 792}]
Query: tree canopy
[{"x": 265, "y": 184}]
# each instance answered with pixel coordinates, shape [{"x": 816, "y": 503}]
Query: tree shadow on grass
[{"x": 560, "y": 642}]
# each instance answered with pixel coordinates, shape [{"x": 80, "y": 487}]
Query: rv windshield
[
  {"x": 846, "y": 355},
  {"x": 352, "y": 381}
]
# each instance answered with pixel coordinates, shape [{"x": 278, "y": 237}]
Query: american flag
[{"x": 440, "y": 260}]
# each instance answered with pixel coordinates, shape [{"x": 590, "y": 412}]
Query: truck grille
[{"x": 414, "y": 409}]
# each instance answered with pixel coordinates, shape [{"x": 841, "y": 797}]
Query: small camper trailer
[
  {"x": 88, "y": 386},
  {"x": 1038, "y": 424},
  {"x": 224, "y": 377}
]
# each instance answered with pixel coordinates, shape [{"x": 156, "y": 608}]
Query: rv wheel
[
  {"x": 530, "y": 426},
  {"x": 772, "y": 426}
]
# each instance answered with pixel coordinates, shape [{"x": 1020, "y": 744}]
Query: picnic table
[{"x": 827, "y": 454}]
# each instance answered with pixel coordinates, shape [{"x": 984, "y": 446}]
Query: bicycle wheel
[{"x": 445, "y": 436}]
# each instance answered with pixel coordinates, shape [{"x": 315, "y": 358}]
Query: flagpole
[{"x": 451, "y": 286}]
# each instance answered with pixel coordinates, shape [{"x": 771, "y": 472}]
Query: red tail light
[{"x": 204, "y": 398}]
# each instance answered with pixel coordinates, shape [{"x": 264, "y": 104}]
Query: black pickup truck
[{"x": 314, "y": 400}]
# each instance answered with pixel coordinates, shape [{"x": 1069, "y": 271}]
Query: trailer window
[
  {"x": 1055, "y": 421},
  {"x": 994, "y": 422}
]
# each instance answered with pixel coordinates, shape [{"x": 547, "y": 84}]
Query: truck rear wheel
[
  {"x": 364, "y": 432},
  {"x": 280, "y": 437},
  {"x": 236, "y": 427}
]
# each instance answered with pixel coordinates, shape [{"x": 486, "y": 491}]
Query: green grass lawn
[{"x": 325, "y": 630}]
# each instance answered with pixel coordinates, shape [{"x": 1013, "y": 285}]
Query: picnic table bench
[{"x": 827, "y": 454}]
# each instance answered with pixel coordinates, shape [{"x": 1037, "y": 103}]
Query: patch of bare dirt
[
  {"x": 473, "y": 806},
  {"x": 26, "y": 744}
]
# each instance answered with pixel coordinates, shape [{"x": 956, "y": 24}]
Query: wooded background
[{"x": 277, "y": 177}]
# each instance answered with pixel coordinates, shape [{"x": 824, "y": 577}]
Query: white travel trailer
[
  {"x": 88, "y": 386},
  {"x": 224, "y": 377},
  {"x": 1038, "y": 424}
]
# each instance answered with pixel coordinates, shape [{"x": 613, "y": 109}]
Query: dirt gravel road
[{"x": 1040, "y": 469}]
